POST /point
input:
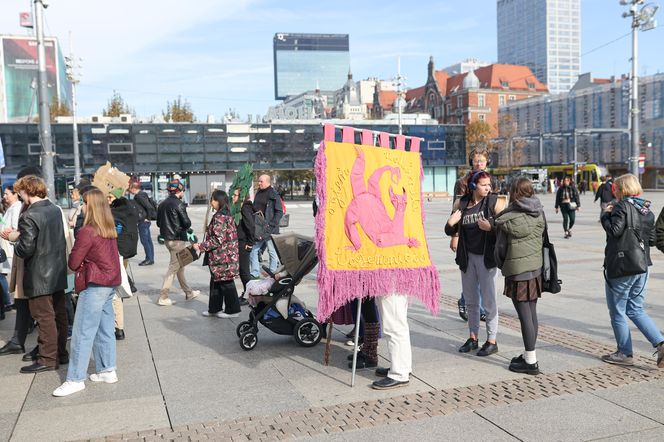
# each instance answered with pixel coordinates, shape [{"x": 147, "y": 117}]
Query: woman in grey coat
[{"x": 518, "y": 254}]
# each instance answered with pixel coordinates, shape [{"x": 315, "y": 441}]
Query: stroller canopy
[{"x": 297, "y": 254}]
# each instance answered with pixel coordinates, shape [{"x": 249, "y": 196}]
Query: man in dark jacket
[
  {"x": 173, "y": 223},
  {"x": 268, "y": 202},
  {"x": 141, "y": 198},
  {"x": 604, "y": 194},
  {"x": 45, "y": 278}
]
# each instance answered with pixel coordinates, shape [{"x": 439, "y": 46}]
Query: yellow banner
[{"x": 373, "y": 213}]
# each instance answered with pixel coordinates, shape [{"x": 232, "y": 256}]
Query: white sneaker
[
  {"x": 69, "y": 387},
  {"x": 226, "y": 315},
  {"x": 207, "y": 314},
  {"x": 107, "y": 377},
  {"x": 167, "y": 301},
  {"x": 192, "y": 295}
]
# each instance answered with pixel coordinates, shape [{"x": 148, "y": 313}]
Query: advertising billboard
[{"x": 20, "y": 72}]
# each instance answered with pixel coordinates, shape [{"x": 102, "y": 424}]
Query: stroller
[{"x": 279, "y": 310}]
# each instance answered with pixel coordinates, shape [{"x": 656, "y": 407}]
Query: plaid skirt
[{"x": 522, "y": 291}]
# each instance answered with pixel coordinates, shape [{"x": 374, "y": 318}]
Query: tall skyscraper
[
  {"x": 304, "y": 62},
  {"x": 544, "y": 35}
]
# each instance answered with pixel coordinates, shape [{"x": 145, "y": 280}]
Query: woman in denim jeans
[
  {"x": 625, "y": 293},
  {"x": 95, "y": 259}
]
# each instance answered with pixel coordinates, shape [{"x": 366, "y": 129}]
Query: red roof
[
  {"x": 412, "y": 94},
  {"x": 501, "y": 76},
  {"x": 441, "y": 80},
  {"x": 601, "y": 80},
  {"x": 387, "y": 99}
]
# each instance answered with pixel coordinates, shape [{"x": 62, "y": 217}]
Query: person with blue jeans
[
  {"x": 630, "y": 231},
  {"x": 268, "y": 202},
  {"x": 142, "y": 198},
  {"x": 96, "y": 260}
]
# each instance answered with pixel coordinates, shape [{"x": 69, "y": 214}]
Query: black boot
[
  {"x": 132, "y": 286},
  {"x": 370, "y": 347},
  {"x": 119, "y": 334}
]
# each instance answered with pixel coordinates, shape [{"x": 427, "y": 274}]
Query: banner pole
[{"x": 357, "y": 340}]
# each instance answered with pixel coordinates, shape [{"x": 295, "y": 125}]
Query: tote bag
[
  {"x": 628, "y": 257},
  {"x": 550, "y": 281}
]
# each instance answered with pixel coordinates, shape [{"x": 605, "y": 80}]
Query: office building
[
  {"x": 544, "y": 35},
  {"x": 306, "y": 62},
  {"x": 211, "y": 153},
  {"x": 598, "y": 110}
]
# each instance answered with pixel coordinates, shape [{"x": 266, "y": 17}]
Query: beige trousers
[
  {"x": 174, "y": 269},
  {"x": 118, "y": 308}
]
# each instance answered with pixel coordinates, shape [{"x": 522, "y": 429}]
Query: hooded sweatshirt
[{"x": 520, "y": 228}]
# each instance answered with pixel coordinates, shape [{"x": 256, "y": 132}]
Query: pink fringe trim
[{"x": 338, "y": 287}]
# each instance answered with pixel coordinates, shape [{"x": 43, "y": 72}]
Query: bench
[{"x": 430, "y": 195}]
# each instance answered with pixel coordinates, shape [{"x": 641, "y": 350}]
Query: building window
[
  {"x": 501, "y": 100},
  {"x": 34, "y": 149},
  {"x": 120, "y": 147},
  {"x": 449, "y": 109},
  {"x": 459, "y": 101},
  {"x": 504, "y": 83},
  {"x": 512, "y": 97},
  {"x": 531, "y": 85},
  {"x": 481, "y": 117},
  {"x": 481, "y": 100}
]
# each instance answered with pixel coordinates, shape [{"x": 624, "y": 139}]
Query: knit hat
[
  {"x": 118, "y": 192},
  {"x": 175, "y": 186}
]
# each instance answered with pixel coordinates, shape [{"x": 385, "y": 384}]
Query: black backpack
[
  {"x": 152, "y": 209},
  {"x": 137, "y": 208}
]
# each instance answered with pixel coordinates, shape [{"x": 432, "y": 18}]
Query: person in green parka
[{"x": 518, "y": 254}]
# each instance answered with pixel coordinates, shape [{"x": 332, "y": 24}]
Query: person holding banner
[{"x": 472, "y": 220}]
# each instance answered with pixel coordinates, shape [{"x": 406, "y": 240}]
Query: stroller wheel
[
  {"x": 307, "y": 332},
  {"x": 248, "y": 340},
  {"x": 243, "y": 327}
]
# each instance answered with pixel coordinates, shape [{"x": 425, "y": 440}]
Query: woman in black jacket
[
  {"x": 629, "y": 226},
  {"x": 472, "y": 221},
  {"x": 126, "y": 225},
  {"x": 246, "y": 240},
  {"x": 567, "y": 200}
]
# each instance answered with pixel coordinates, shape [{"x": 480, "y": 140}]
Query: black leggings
[
  {"x": 527, "y": 311},
  {"x": 23, "y": 321},
  {"x": 245, "y": 268},
  {"x": 569, "y": 216}
]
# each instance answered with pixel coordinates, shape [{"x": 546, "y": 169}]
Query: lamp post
[
  {"x": 72, "y": 75},
  {"x": 400, "y": 92},
  {"x": 44, "y": 114},
  {"x": 642, "y": 19}
]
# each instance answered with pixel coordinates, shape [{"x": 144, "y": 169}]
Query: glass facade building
[
  {"x": 304, "y": 62},
  {"x": 210, "y": 149},
  {"x": 544, "y": 35}
]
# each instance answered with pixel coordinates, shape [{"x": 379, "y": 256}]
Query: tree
[
  {"x": 116, "y": 106},
  {"x": 510, "y": 148},
  {"x": 58, "y": 109},
  {"x": 478, "y": 134},
  {"x": 178, "y": 111}
]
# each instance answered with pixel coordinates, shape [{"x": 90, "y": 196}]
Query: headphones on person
[{"x": 472, "y": 184}]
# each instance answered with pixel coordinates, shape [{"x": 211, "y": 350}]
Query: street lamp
[
  {"x": 641, "y": 19},
  {"x": 71, "y": 69}
]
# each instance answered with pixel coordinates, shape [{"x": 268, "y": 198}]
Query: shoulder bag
[
  {"x": 628, "y": 257},
  {"x": 550, "y": 281}
]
